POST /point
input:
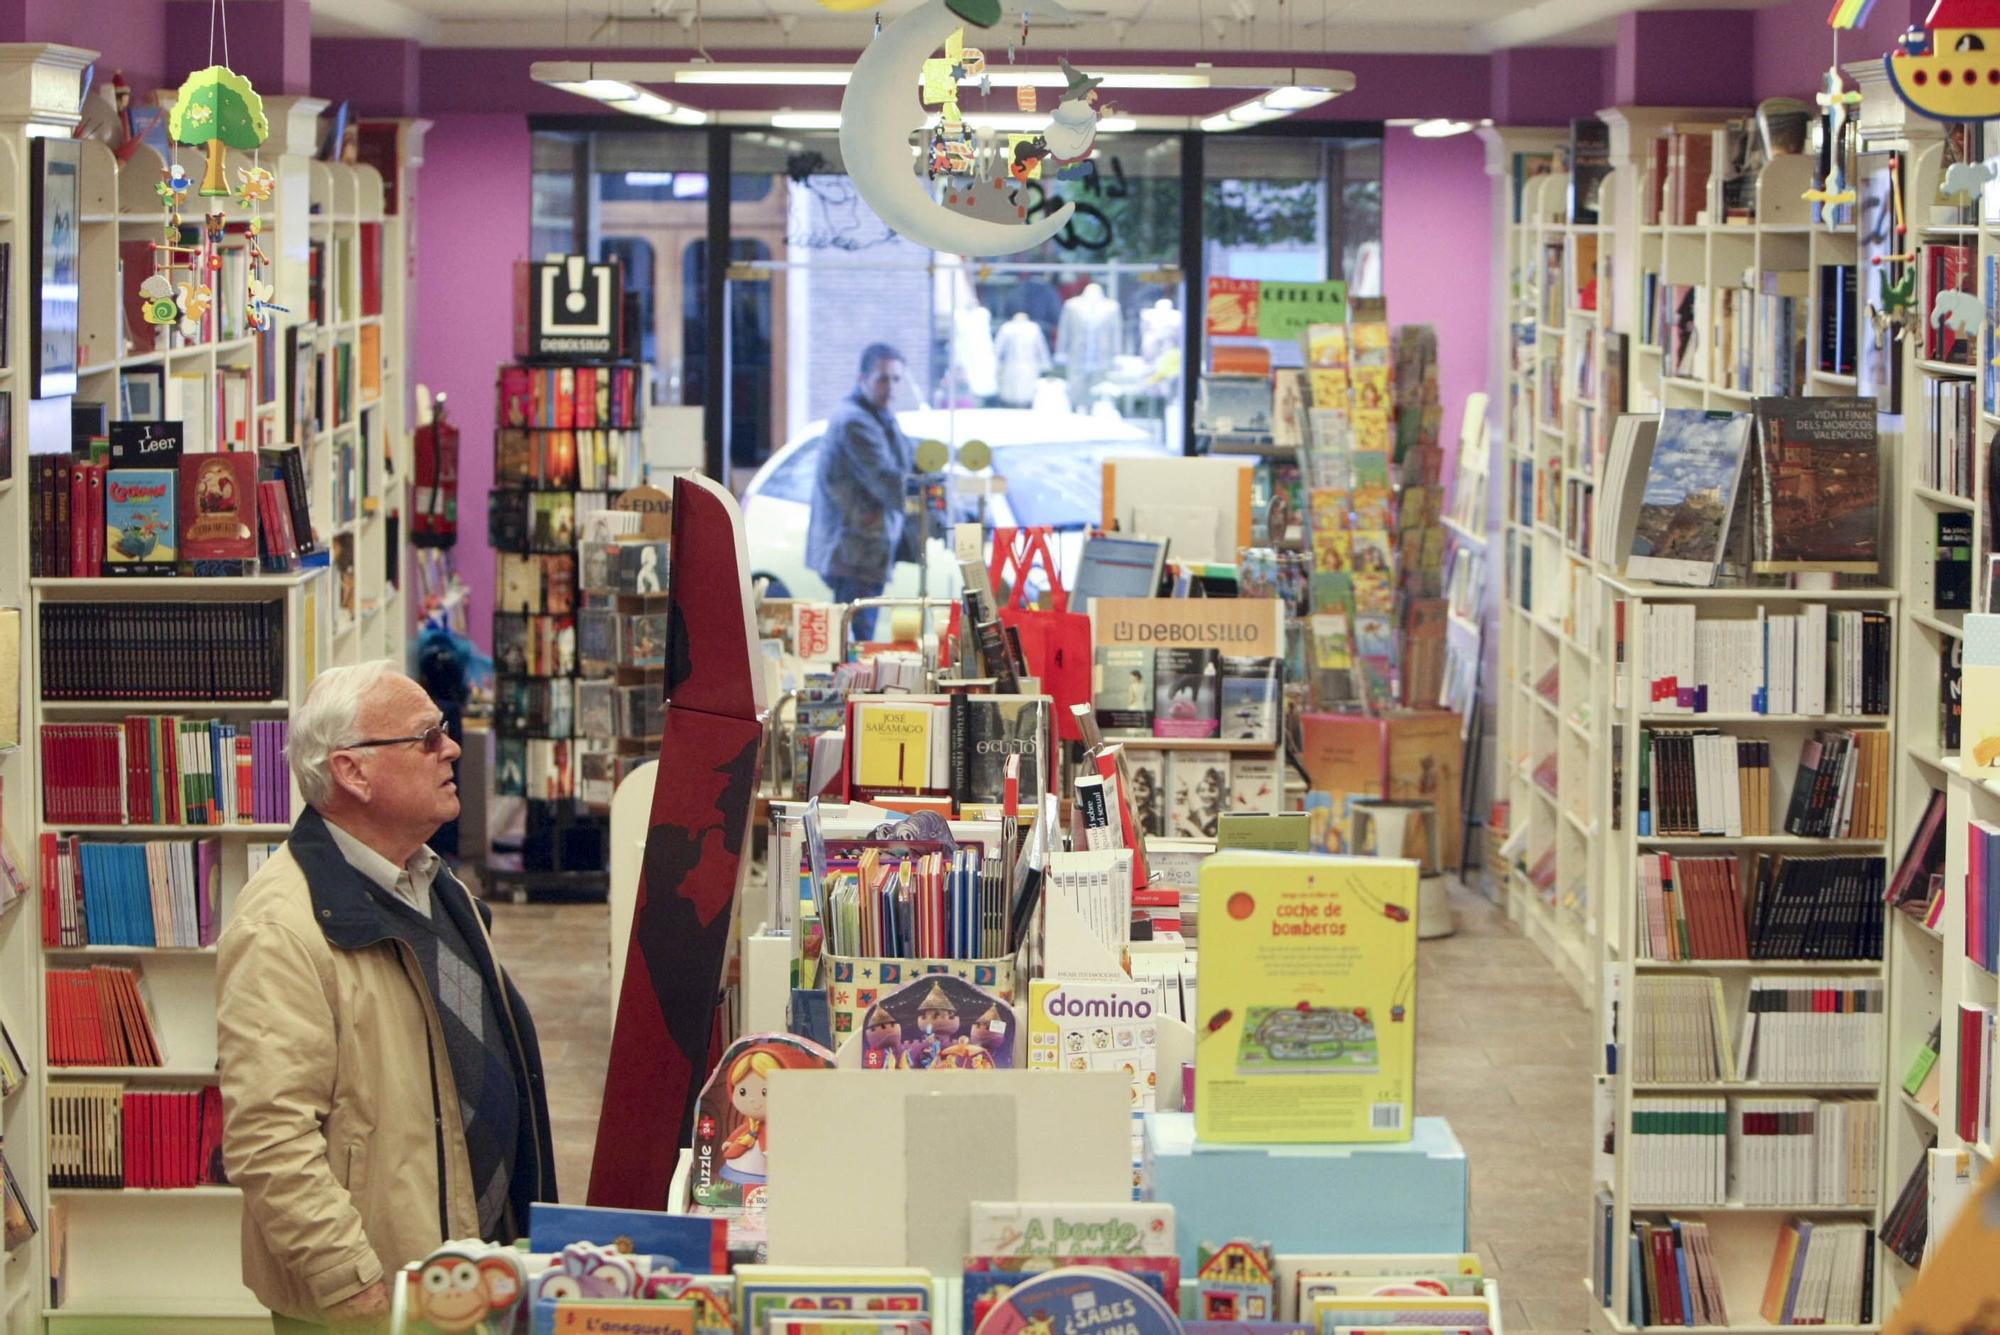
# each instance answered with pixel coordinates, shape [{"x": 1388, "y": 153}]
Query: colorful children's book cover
[
  {"x": 844, "y": 1323},
  {"x": 692, "y": 1243},
  {"x": 989, "y": 1279},
  {"x": 1307, "y": 977},
  {"x": 1084, "y": 1026},
  {"x": 218, "y": 500},
  {"x": 763, "y": 1290},
  {"x": 139, "y": 521},
  {"x": 1979, "y": 717},
  {"x": 1328, "y": 389},
  {"x": 1082, "y": 1300},
  {"x": 946, "y": 1024},
  {"x": 731, "y": 1144},
  {"x": 1033, "y": 1228}
]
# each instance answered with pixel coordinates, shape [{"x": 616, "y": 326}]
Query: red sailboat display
[{"x": 696, "y": 850}]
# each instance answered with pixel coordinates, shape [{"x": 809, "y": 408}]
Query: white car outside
[{"x": 1047, "y": 471}]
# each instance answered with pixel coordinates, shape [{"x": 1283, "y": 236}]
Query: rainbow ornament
[{"x": 1848, "y": 15}]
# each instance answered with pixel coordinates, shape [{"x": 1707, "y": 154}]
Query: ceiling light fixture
[
  {"x": 1276, "y": 92},
  {"x": 1439, "y": 128}
]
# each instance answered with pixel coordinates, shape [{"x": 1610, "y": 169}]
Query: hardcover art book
[
  {"x": 1817, "y": 486},
  {"x": 218, "y": 496},
  {"x": 1689, "y": 497},
  {"x": 1307, "y": 979}
]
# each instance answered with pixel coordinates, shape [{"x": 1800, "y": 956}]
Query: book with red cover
[
  {"x": 217, "y": 498},
  {"x": 371, "y": 268}
]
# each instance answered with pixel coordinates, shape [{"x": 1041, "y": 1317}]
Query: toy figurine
[{"x": 881, "y": 1039}]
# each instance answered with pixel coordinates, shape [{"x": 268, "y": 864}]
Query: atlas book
[
  {"x": 1307, "y": 984},
  {"x": 1817, "y": 505},
  {"x": 1690, "y": 494}
]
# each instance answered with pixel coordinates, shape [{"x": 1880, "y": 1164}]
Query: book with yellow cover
[
  {"x": 899, "y": 744},
  {"x": 1307, "y": 980}
]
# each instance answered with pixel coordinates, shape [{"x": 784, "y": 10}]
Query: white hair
[{"x": 327, "y": 720}]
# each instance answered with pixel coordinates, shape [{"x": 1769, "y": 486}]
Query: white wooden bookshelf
[
  {"x": 38, "y": 87},
  {"x": 1638, "y": 256}
]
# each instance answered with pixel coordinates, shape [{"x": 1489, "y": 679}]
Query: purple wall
[
  {"x": 1794, "y": 46},
  {"x": 1685, "y": 58},
  {"x": 130, "y": 35},
  {"x": 269, "y": 43},
  {"x": 1546, "y": 85},
  {"x": 1436, "y": 202},
  {"x": 377, "y": 76},
  {"x": 472, "y": 224}
]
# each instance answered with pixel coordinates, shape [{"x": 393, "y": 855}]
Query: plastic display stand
[{"x": 1312, "y": 1198}]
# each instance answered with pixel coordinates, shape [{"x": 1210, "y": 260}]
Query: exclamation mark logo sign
[{"x": 577, "y": 298}]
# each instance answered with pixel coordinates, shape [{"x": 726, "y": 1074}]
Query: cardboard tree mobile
[{"x": 218, "y": 108}]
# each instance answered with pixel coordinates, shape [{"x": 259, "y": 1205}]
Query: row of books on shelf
[
  {"x": 1754, "y": 1152},
  {"x": 1810, "y": 662},
  {"x": 1945, "y": 454},
  {"x": 159, "y": 769},
  {"x": 536, "y": 646},
  {"x": 99, "y": 1017},
  {"x": 550, "y": 582},
  {"x": 569, "y": 460},
  {"x": 191, "y": 514},
  {"x": 1695, "y": 908},
  {"x": 1973, "y": 1118},
  {"x": 1707, "y": 784},
  {"x": 1822, "y": 1272},
  {"x": 126, "y": 650},
  {"x": 571, "y": 398},
  {"x": 104, "y": 1136},
  {"x": 540, "y": 521},
  {"x": 1186, "y": 693},
  {"x": 607, "y": 638},
  {"x": 565, "y": 707},
  {"x": 162, "y": 892},
  {"x": 1796, "y": 1029}
]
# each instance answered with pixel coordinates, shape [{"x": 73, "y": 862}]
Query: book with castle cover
[
  {"x": 1036, "y": 1228},
  {"x": 1307, "y": 980},
  {"x": 1123, "y": 692},
  {"x": 1690, "y": 494},
  {"x": 1089, "y": 1026},
  {"x": 140, "y": 521}
]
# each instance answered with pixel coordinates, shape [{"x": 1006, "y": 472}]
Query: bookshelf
[{"x": 38, "y": 87}]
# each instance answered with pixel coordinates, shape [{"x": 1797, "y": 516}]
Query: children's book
[
  {"x": 218, "y": 497},
  {"x": 1034, "y": 1228},
  {"x": 695, "y": 1243},
  {"x": 765, "y": 1290},
  {"x": 1307, "y": 978},
  {"x": 1091, "y": 1300},
  {"x": 140, "y": 517},
  {"x": 1085, "y": 1026}
]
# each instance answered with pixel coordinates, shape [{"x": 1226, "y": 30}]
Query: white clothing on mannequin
[
  {"x": 972, "y": 351},
  {"x": 1087, "y": 338},
  {"x": 1023, "y": 354}
]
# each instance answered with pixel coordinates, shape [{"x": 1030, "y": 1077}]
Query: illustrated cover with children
[
  {"x": 1083, "y": 1026},
  {"x": 937, "y": 1022},
  {"x": 139, "y": 521},
  {"x": 1307, "y": 979},
  {"x": 731, "y": 1138}
]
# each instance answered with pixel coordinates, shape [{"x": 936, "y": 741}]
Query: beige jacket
[{"x": 340, "y": 1117}]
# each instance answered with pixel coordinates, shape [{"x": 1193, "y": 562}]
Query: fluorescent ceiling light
[
  {"x": 1439, "y": 129},
  {"x": 802, "y": 76},
  {"x": 1296, "y": 99},
  {"x": 646, "y": 104},
  {"x": 806, "y": 120},
  {"x": 1220, "y": 125},
  {"x": 603, "y": 90},
  {"x": 1253, "y": 113},
  {"x": 796, "y": 76},
  {"x": 685, "y": 116}
]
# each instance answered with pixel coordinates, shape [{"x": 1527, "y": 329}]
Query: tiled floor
[{"x": 1503, "y": 1053}]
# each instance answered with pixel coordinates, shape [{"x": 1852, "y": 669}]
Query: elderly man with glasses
[{"x": 381, "y": 1084}]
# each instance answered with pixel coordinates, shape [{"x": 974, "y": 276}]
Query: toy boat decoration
[{"x": 1949, "y": 69}]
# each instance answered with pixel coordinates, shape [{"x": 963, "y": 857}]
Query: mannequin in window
[
  {"x": 1159, "y": 339},
  {"x": 1023, "y": 354},
  {"x": 1087, "y": 339}
]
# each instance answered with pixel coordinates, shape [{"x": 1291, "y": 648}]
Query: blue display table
[{"x": 1311, "y": 1198}]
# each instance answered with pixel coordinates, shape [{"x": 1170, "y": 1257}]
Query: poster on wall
[
  {"x": 58, "y": 166},
  {"x": 1250, "y": 308}
]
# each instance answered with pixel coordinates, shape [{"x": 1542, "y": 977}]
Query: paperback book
[{"x": 1689, "y": 496}]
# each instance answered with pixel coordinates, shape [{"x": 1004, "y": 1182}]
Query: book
[
  {"x": 1307, "y": 992},
  {"x": 1123, "y": 693},
  {"x": 1199, "y": 785},
  {"x": 1256, "y": 784},
  {"x": 1148, "y": 796},
  {"x": 218, "y": 507},
  {"x": 136, "y": 1139},
  {"x": 1689, "y": 496},
  {"x": 1817, "y": 481},
  {"x": 1951, "y": 586},
  {"x": 1979, "y": 702},
  {"x": 988, "y": 729},
  {"x": 1186, "y": 689},
  {"x": 99, "y": 1017},
  {"x": 140, "y": 518},
  {"x": 1078, "y": 1025},
  {"x": 157, "y": 893},
  {"x": 1249, "y": 701},
  {"x": 157, "y": 770},
  {"x": 1073, "y": 1231}
]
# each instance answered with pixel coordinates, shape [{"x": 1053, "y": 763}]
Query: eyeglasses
[{"x": 430, "y": 741}]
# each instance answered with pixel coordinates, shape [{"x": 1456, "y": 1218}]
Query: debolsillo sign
[{"x": 1245, "y": 626}]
